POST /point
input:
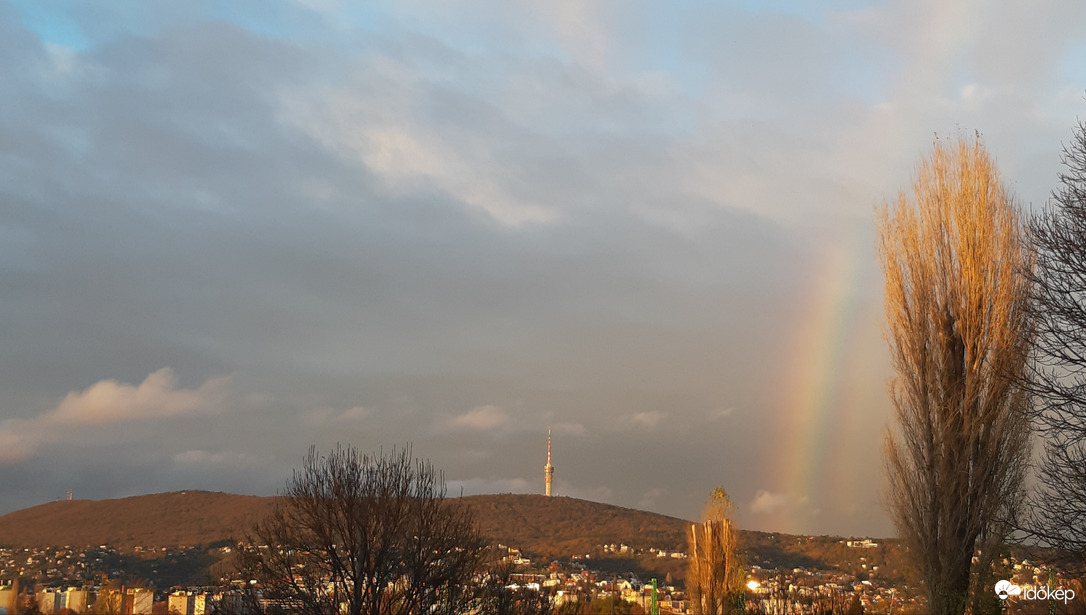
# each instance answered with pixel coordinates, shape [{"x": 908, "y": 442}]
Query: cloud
[
  {"x": 481, "y": 418},
  {"x": 324, "y": 415},
  {"x": 648, "y": 419},
  {"x": 13, "y": 447},
  {"x": 409, "y": 156},
  {"x": 203, "y": 458},
  {"x": 574, "y": 209},
  {"x": 108, "y": 401},
  {"x": 721, "y": 413},
  {"x": 569, "y": 429},
  {"x": 777, "y": 507},
  {"x": 649, "y": 498},
  {"x": 769, "y": 503}
]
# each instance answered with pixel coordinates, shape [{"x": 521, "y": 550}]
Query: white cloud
[
  {"x": 410, "y": 157},
  {"x": 13, "y": 447},
  {"x": 769, "y": 503},
  {"x": 482, "y": 418},
  {"x": 777, "y": 506},
  {"x": 109, "y": 401}
]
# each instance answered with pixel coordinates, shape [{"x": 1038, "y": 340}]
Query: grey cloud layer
[{"x": 414, "y": 232}]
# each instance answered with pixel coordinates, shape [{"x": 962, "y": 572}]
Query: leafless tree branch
[
  {"x": 1057, "y": 510},
  {"x": 357, "y": 534}
]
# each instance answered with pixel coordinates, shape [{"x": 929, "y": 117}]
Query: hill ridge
[
  {"x": 547, "y": 525},
  {"x": 545, "y": 528}
]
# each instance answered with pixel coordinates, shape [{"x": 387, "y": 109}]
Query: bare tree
[
  {"x": 959, "y": 331},
  {"x": 500, "y": 596},
  {"x": 357, "y": 534},
  {"x": 714, "y": 578},
  {"x": 1057, "y": 511}
]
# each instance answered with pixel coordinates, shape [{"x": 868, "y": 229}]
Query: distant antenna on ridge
[{"x": 548, "y": 470}]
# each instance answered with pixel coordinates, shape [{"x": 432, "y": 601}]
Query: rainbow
[{"x": 809, "y": 457}]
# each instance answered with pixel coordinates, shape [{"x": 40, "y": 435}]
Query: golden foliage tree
[
  {"x": 714, "y": 578},
  {"x": 959, "y": 331}
]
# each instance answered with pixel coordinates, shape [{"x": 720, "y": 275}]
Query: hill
[
  {"x": 544, "y": 528},
  {"x": 560, "y": 526},
  {"x": 551, "y": 526},
  {"x": 162, "y": 519},
  {"x": 547, "y": 528}
]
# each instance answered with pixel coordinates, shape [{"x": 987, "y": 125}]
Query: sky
[{"x": 230, "y": 231}]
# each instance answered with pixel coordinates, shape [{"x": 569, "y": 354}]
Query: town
[{"x": 103, "y": 580}]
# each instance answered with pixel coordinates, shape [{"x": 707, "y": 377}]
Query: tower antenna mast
[{"x": 548, "y": 470}]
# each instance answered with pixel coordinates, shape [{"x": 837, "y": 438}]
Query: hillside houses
[{"x": 72, "y": 580}]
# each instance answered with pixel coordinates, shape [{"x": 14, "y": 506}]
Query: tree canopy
[
  {"x": 958, "y": 324},
  {"x": 362, "y": 534}
]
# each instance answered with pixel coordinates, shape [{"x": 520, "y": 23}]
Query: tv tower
[{"x": 548, "y": 470}]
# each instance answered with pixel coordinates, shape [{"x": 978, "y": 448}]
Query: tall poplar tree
[
  {"x": 714, "y": 579},
  {"x": 959, "y": 330}
]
